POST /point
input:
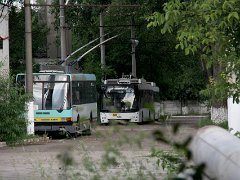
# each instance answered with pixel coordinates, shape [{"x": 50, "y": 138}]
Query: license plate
[
  {"x": 47, "y": 119},
  {"x": 114, "y": 114}
]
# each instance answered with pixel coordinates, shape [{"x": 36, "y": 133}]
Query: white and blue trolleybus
[
  {"x": 63, "y": 102},
  {"x": 129, "y": 99}
]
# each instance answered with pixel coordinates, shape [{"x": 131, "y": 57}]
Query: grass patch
[{"x": 208, "y": 121}]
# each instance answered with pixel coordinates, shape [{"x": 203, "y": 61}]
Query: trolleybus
[
  {"x": 128, "y": 99},
  {"x": 63, "y": 102}
]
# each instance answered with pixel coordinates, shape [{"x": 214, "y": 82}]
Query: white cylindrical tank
[
  {"x": 219, "y": 150},
  {"x": 233, "y": 116}
]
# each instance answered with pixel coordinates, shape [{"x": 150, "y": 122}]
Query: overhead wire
[{"x": 90, "y": 5}]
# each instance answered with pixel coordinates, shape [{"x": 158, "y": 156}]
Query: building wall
[
  {"x": 4, "y": 43},
  {"x": 54, "y": 50}
]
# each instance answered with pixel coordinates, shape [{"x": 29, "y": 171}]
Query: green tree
[
  {"x": 17, "y": 38},
  {"x": 155, "y": 53},
  {"x": 209, "y": 28}
]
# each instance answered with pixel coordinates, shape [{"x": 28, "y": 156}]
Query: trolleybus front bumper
[
  {"x": 106, "y": 117},
  {"x": 54, "y": 126}
]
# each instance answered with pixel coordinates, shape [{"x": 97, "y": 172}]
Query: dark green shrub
[{"x": 12, "y": 112}]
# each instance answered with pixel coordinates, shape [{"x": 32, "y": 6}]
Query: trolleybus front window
[
  {"x": 37, "y": 95},
  {"x": 119, "y": 98},
  {"x": 51, "y": 95}
]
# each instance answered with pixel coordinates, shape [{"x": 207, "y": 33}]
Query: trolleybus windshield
[
  {"x": 119, "y": 98},
  {"x": 51, "y": 92}
]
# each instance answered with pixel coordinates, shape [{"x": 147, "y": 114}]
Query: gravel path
[{"x": 119, "y": 152}]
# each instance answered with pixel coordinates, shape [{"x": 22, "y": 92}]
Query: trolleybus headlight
[{"x": 68, "y": 119}]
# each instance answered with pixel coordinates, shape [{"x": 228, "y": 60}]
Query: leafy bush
[
  {"x": 177, "y": 163},
  {"x": 12, "y": 112}
]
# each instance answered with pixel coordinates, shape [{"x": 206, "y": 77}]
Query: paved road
[{"x": 120, "y": 152}]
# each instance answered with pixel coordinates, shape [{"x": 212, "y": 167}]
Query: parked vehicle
[
  {"x": 129, "y": 99},
  {"x": 63, "y": 102}
]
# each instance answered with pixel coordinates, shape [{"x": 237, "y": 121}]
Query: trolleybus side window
[
  {"x": 84, "y": 92},
  {"x": 89, "y": 92},
  {"x": 156, "y": 97},
  {"x": 146, "y": 96}
]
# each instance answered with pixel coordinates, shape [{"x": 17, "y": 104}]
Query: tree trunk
[
  {"x": 219, "y": 114},
  {"x": 219, "y": 108}
]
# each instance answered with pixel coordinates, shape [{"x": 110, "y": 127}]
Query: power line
[
  {"x": 91, "y": 5},
  {"x": 121, "y": 25}
]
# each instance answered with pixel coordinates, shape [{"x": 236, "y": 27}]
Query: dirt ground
[{"x": 111, "y": 152}]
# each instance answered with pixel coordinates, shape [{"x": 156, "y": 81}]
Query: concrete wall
[
  {"x": 190, "y": 107},
  {"x": 4, "y": 38}
]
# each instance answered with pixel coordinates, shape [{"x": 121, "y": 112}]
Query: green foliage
[
  {"x": 164, "y": 118},
  {"x": 179, "y": 162},
  {"x": 168, "y": 160},
  {"x": 155, "y": 53},
  {"x": 209, "y": 22},
  {"x": 115, "y": 163},
  {"x": 187, "y": 79},
  {"x": 17, "y": 40},
  {"x": 112, "y": 163},
  {"x": 227, "y": 83},
  {"x": 208, "y": 28},
  {"x": 66, "y": 159},
  {"x": 12, "y": 112},
  {"x": 216, "y": 92},
  {"x": 149, "y": 106},
  {"x": 110, "y": 156},
  {"x": 206, "y": 122},
  {"x": 90, "y": 66},
  {"x": 16, "y": 32}
]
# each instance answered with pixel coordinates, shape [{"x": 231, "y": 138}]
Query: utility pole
[
  {"x": 102, "y": 46},
  {"x": 134, "y": 44},
  {"x": 63, "y": 34},
  {"x": 28, "y": 57},
  {"x": 28, "y": 47}
]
